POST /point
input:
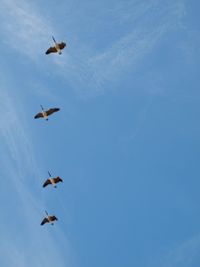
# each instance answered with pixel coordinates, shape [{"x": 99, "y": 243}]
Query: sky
[{"x": 125, "y": 141}]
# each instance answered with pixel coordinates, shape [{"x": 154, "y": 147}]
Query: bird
[
  {"x": 49, "y": 219},
  {"x": 52, "y": 181},
  {"x": 57, "y": 48},
  {"x": 44, "y": 114}
]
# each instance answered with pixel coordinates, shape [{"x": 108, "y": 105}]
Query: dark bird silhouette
[
  {"x": 57, "y": 48},
  {"x": 49, "y": 219},
  {"x": 52, "y": 181},
  {"x": 44, "y": 114}
]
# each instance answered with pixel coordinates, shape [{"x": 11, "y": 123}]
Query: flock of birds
[{"x": 45, "y": 114}]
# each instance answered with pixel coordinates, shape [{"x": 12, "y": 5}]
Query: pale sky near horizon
[{"x": 125, "y": 141}]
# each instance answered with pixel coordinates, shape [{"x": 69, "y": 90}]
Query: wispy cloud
[
  {"x": 21, "y": 235},
  {"x": 185, "y": 254},
  {"x": 25, "y": 31},
  {"x": 136, "y": 27},
  {"x": 23, "y": 28},
  {"x": 141, "y": 28}
]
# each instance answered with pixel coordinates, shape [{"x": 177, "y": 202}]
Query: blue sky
[{"x": 125, "y": 142}]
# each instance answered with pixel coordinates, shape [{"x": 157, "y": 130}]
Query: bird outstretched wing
[
  {"x": 51, "y": 50},
  {"x": 62, "y": 45},
  {"x": 51, "y": 111},
  {"x": 45, "y": 220},
  {"x": 58, "y": 179},
  {"x": 46, "y": 183},
  {"x": 39, "y": 115}
]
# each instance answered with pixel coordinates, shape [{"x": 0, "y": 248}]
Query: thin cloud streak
[
  {"x": 127, "y": 52},
  {"x": 82, "y": 66},
  {"x": 14, "y": 137},
  {"x": 24, "y": 29},
  {"x": 19, "y": 169},
  {"x": 185, "y": 254}
]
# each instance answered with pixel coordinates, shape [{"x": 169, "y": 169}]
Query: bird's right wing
[
  {"x": 62, "y": 45},
  {"x": 58, "y": 179},
  {"x": 51, "y": 50},
  {"x": 39, "y": 115},
  {"x": 44, "y": 221},
  {"x": 46, "y": 183},
  {"x": 51, "y": 111}
]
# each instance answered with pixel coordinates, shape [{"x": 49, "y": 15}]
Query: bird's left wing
[
  {"x": 46, "y": 182},
  {"x": 51, "y": 50},
  {"x": 39, "y": 115},
  {"x": 45, "y": 220},
  {"x": 51, "y": 111}
]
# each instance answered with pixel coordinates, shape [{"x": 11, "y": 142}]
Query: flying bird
[
  {"x": 49, "y": 219},
  {"x": 52, "y": 180},
  {"x": 44, "y": 114},
  {"x": 57, "y": 48}
]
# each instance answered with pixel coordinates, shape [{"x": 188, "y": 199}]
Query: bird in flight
[
  {"x": 52, "y": 181},
  {"x": 49, "y": 219},
  {"x": 44, "y": 114},
  {"x": 56, "y": 48}
]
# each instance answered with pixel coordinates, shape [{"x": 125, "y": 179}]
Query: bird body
[
  {"x": 52, "y": 182},
  {"x": 57, "y": 47},
  {"x": 44, "y": 114}
]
